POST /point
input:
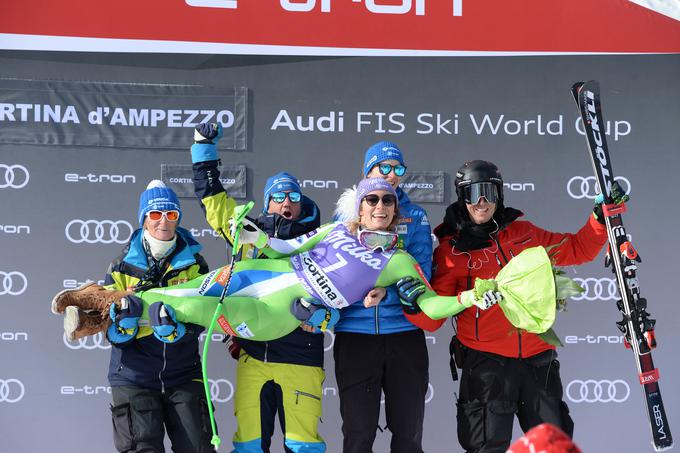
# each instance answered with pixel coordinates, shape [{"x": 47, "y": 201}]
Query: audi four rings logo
[
  {"x": 331, "y": 335},
  {"x": 11, "y": 390},
  {"x": 585, "y": 187},
  {"x": 98, "y": 231},
  {"x": 221, "y": 390},
  {"x": 13, "y": 177},
  {"x": 597, "y": 289},
  {"x": 13, "y": 283},
  {"x": 592, "y": 391},
  {"x": 97, "y": 341}
]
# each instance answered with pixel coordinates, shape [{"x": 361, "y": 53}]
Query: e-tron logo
[
  {"x": 13, "y": 283},
  {"x": 97, "y": 341},
  {"x": 221, "y": 390},
  {"x": 585, "y": 187},
  {"x": 597, "y": 289},
  {"x": 592, "y": 391},
  {"x": 98, "y": 231},
  {"x": 13, "y": 176},
  {"x": 11, "y": 390}
]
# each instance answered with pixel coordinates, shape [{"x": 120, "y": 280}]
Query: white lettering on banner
[
  {"x": 13, "y": 336},
  {"x": 203, "y": 232},
  {"x": 620, "y": 129},
  {"x": 325, "y": 6},
  {"x": 519, "y": 186},
  {"x": 72, "y": 283},
  {"x": 319, "y": 184},
  {"x": 178, "y": 180},
  {"x": 85, "y": 390},
  {"x": 591, "y": 339},
  {"x": 227, "y": 4},
  {"x": 215, "y": 338},
  {"x": 15, "y": 229},
  {"x": 444, "y": 125},
  {"x": 206, "y": 282},
  {"x": 115, "y": 179},
  {"x": 416, "y": 185},
  {"x": 378, "y": 122},
  {"x": 333, "y": 122},
  {"x": 42, "y": 113},
  {"x": 118, "y": 116},
  {"x": 330, "y": 391},
  {"x": 516, "y": 127}
]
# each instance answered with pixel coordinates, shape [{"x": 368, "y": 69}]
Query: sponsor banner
[
  {"x": 178, "y": 178},
  {"x": 120, "y": 115},
  {"x": 424, "y": 186},
  {"x": 319, "y": 27}
]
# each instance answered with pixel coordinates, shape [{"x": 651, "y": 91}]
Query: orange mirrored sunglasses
[{"x": 171, "y": 216}]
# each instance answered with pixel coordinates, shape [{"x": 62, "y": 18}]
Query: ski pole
[{"x": 204, "y": 367}]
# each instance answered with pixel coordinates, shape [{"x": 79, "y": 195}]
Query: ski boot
[
  {"x": 125, "y": 319},
  {"x": 89, "y": 296},
  {"x": 164, "y": 323},
  {"x": 80, "y": 323}
]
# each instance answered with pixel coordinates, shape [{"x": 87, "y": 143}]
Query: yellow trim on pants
[{"x": 301, "y": 389}]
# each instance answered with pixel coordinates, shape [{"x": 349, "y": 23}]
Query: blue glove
[
  {"x": 409, "y": 290},
  {"x": 312, "y": 312},
  {"x": 206, "y": 135},
  {"x": 164, "y": 323},
  {"x": 125, "y": 319},
  {"x": 618, "y": 197}
]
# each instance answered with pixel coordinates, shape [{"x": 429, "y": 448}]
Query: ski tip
[{"x": 575, "y": 89}]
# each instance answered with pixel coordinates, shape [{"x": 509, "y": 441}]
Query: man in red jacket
[{"x": 505, "y": 371}]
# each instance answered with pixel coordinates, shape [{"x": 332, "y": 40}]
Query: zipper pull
[{"x": 498, "y": 260}]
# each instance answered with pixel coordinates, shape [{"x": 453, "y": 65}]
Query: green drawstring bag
[{"x": 529, "y": 292}]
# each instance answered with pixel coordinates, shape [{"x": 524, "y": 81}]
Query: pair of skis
[{"x": 636, "y": 325}]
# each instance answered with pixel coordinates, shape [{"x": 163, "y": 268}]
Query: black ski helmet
[{"x": 478, "y": 171}]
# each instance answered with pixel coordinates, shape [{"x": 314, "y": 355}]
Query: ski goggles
[
  {"x": 378, "y": 240},
  {"x": 385, "y": 169},
  {"x": 387, "y": 200},
  {"x": 280, "y": 197},
  {"x": 475, "y": 192},
  {"x": 170, "y": 216}
]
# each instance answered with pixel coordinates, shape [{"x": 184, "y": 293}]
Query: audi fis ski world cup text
[{"x": 428, "y": 123}]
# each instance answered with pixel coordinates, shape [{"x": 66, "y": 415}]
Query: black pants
[
  {"x": 493, "y": 389},
  {"x": 368, "y": 365},
  {"x": 141, "y": 417}
]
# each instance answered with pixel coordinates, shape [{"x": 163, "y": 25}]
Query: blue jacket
[
  {"x": 147, "y": 362},
  {"x": 388, "y": 317}
]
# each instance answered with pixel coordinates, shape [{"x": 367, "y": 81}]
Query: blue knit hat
[
  {"x": 281, "y": 181},
  {"x": 157, "y": 197},
  {"x": 369, "y": 185},
  {"x": 379, "y": 152}
]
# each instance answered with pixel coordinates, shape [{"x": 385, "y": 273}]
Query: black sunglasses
[{"x": 387, "y": 200}]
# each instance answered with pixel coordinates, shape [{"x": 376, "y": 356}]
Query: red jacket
[{"x": 455, "y": 271}]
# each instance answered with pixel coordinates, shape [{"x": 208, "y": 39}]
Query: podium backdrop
[{"x": 82, "y": 133}]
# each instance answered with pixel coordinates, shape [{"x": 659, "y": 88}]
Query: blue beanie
[
  {"x": 369, "y": 185},
  {"x": 279, "y": 182},
  {"x": 157, "y": 197},
  {"x": 379, "y": 152}
]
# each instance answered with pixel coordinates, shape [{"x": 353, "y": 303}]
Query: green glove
[
  {"x": 484, "y": 295},
  {"x": 618, "y": 197}
]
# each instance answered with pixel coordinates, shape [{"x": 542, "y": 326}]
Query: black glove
[
  {"x": 409, "y": 290},
  {"x": 618, "y": 197},
  {"x": 207, "y": 133}
]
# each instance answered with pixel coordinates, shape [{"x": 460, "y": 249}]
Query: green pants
[{"x": 264, "y": 389}]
